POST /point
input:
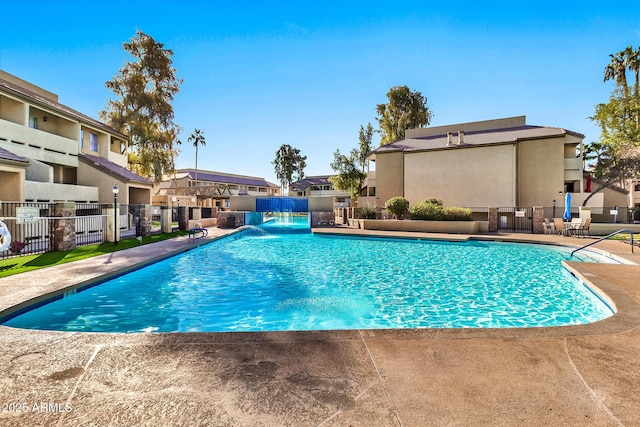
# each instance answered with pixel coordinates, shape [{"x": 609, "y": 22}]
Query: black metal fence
[{"x": 517, "y": 220}]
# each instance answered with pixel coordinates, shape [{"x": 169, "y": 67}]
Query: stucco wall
[
  {"x": 540, "y": 172},
  {"x": 11, "y": 183},
  {"x": 88, "y": 175},
  {"x": 242, "y": 203},
  {"x": 389, "y": 176},
  {"x": 468, "y": 177},
  {"x": 321, "y": 204}
]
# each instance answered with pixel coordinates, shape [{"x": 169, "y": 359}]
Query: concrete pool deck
[{"x": 569, "y": 376}]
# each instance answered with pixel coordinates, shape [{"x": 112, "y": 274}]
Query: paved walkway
[{"x": 570, "y": 376}]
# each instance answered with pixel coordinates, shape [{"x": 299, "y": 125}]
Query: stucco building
[
  {"x": 319, "y": 186},
  {"x": 494, "y": 163},
  {"x": 210, "y": 189},
  {"x": 50, "y": 152}
]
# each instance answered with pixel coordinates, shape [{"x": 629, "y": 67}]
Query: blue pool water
[{"x": 261, "y": 280}]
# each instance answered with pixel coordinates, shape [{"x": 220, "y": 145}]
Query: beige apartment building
[
  {"x": 494, "y": 163},
  {"x": 319, "y": 186},
  {"x": 209, "y": 188},
  {"x": 50, "y": 152}
]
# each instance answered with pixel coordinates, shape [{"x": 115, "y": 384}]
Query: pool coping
[{"x": 625, "y": 318}]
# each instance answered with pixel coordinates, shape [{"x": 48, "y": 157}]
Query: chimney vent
[
  {"x": 449, "y": 138},
  {"x": 460, "y": 137}
]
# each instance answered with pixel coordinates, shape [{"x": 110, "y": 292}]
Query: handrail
[{"x": 604, "y": 238}]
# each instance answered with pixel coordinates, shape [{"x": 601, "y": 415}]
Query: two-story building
[
  {"x": 50, "y": 152},
  {"x": 320, "y": 186},
  {"x": 205, "y": 188},
  {"x": 492, "y": 163}
]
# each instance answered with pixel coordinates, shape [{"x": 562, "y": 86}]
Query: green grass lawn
[
  {"x": 625, "y": 236},
  {"x": 25, "y": 263}
]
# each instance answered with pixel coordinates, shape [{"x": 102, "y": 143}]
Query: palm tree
[
  {"x": 197, "y": 137},
  {"x": 632, "y": 62},
  {"x": 617, "y": 70}
]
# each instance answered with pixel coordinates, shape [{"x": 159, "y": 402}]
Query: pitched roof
[
  {"x": 309, "y": 181},
  {"x": 228, "y": 178},
  {"x": 475, "y": 138},
  {"x": 112, "y": 168},
  {"x": 8, "y": 155},
  {"x": 52, "y": 104}
]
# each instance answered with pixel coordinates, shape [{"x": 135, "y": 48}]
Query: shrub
[
  {"x": 434, "y": 201},
  {"x": 453, "y": 213},
  {"x": 427, "y": 211},
  {"x": 398, "y": 206},
  {"x": 430, "y": 211},
  {"x": 367, "y": 212}
]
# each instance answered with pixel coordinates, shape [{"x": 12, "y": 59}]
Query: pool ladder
[{"x": 604, "y": 238}]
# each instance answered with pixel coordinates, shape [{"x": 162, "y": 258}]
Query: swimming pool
[{"x": 266, "y": 281}]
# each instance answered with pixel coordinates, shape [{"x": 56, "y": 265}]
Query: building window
[
  {"x": 93, "y": 142},
  {"x": 372, "y": 191},
  {"x": 33, "y": 122},
  {"x": 81, "y": 138},
  {"x": 637, "y": 187}
]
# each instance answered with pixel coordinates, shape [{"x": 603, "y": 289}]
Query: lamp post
[
  {"x": 554, "y": 208},
  {"x": 115, "y": 190}
]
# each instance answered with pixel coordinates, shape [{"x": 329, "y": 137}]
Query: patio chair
[
  {"x": 584, "y": 227},
  {"x": 574, "y": 226},
  {"x": 559, "y": 226},
  {"x": 548, "y": 227}
]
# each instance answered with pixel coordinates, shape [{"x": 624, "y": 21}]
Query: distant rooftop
[
  {"x": 226, "y": 178},
  {"x": 309, "y": 181}
]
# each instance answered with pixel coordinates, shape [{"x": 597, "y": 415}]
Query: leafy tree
[
  {"x": 144, "y": 89},
  {"x": 616, "y": 155},
  {"x": 348, "y": 176},
  {"x": 288, "y": 162},
  {"x": 351, "y": 170},
  {"x": 405, "y": 110},
  {"x": 365, "y": 145},
  {"x": 197, "y": 137}
]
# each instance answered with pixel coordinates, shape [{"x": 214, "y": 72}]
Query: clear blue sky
[{"x": 265, "y": 73}]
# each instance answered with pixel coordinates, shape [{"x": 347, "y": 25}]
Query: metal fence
[
  {"x": 32, "y": 224},
  {"x": 91, "y": 223},
  {"x": 518, "y": 220},
  {"x": 29, "y": 226}
]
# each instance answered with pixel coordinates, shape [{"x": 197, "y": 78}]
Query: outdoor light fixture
[{"x": 115, "y": 190}]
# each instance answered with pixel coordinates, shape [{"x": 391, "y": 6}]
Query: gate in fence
[{"x": 517, "y": 220}]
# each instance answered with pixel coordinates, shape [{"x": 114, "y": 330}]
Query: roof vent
[
  {"x": 449, "y": 138},
  {"x": 460, "y": 137}
]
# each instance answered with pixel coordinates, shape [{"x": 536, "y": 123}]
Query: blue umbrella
[{"x": 567, "y": 207}]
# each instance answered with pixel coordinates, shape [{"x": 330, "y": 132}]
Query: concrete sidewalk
[{"x": 569, "y": 376}]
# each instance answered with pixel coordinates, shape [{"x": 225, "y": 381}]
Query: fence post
[
  {"x": 113, "y": 230},
  {"x": 196, "y": 217},
  {"x": 537, "y": 217},
  {"x": 165, "y": 219},
  {"x": 63, "y": 236},
  {"x": 183, "y": 218},
  {"x": 143, "y": 228},
  {"x": 493, "y": 220}
]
